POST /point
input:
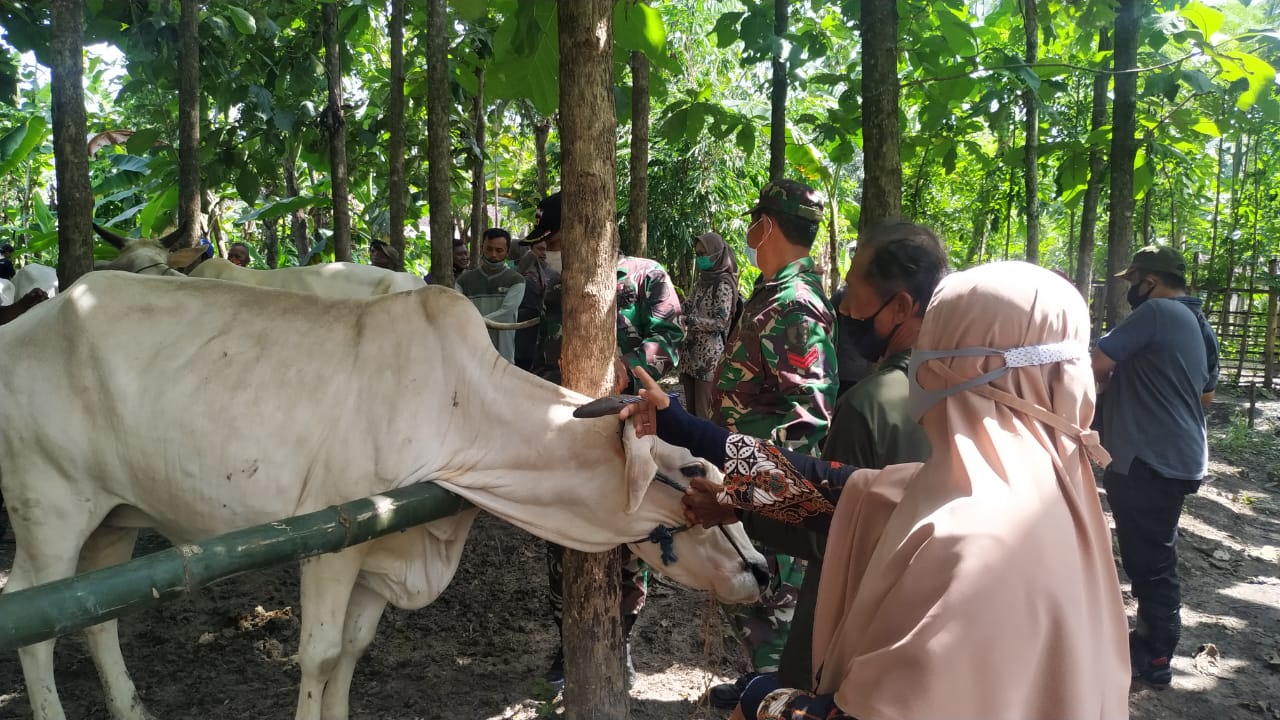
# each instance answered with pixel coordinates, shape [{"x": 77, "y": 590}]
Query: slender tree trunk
[
  {"x": 333, "y": 122},
  {"x": 189, "y": 123},
  {"x": 833, "y": 232},
  {"x": 595, "y": 683},
  {"x": 271, "y": 243},
  {"x": 541, "y": 132},
  {"x": 1239, "y": 158},
  {"x": 1124, "y": 147},
  {"x": 778, "y": 97},
  {"x": 298, "y": 218},
  {"x": 882, "y": 182},
  {"x": 638, "y": 207},
  {"x": 1031, "y": 148},
  {"x": 396, "y": 187},
  {"x": 477, "y": 169},
  {"x": 70, "y": 161},
  {"x": 438, "y": 155}
]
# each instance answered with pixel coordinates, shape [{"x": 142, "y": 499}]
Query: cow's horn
[
  {"x": 169, "y": 241},
  {"x": 117, "y": 241},
  {"x": 495, "y": 325},
  {"x": 609, "y": 405}
]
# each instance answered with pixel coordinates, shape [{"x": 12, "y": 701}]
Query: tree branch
[{"x": 1070, "y": 66}]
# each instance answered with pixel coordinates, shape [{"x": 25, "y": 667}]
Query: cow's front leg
[
  {"x": 326, "y": 585},
  {"x": 105, "y": 547},
  {"x": 363, "y": 613}
]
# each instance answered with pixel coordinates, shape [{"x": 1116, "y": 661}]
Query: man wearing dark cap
[
  {"x": 650, "y": 328},
  {"x": 1160, "y": 368},
  {"x": 6, "y": 265},
  {"x": 778, "y": 382},
  {"x": 382, "y": 255}
]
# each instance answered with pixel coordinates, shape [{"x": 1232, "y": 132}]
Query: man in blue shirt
[{"x": 1160, "y": 368}]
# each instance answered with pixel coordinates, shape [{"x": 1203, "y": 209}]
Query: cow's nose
[{"x": 761, "y": 572}]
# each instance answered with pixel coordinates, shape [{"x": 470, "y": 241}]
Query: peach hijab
[{"x": 980, "y": 585}]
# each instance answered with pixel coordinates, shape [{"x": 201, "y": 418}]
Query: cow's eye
[{"x": 693, "y": 470}]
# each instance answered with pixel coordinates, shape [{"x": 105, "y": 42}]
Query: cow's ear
[
  {"x": 641, "y": 467},
  {"x": 181, "y": 258}
]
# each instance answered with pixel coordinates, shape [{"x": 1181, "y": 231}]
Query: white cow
[
  {"x": 7, "y": 295},
  {"x": 338, "y": 280},
  {"x": 32, "y": 276},
  {"x": 102, "y": 388}
]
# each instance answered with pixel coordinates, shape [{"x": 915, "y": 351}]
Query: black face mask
[
  {"x": 865, "y": 341},
  {"x": 1135, "y": 299}
]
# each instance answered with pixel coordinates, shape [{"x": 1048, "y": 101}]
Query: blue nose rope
[{"x": 664, "y": 536}]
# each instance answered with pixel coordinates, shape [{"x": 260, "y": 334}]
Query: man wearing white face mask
[
  {"x": 495, "y": 289},
  {"x": 778, "y": 382}
]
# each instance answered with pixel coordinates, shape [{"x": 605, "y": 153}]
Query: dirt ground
[{"x": 479, "y": 650}]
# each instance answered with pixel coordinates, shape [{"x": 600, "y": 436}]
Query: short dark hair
[
  {"x": 238, "y": 244},
  {"x": 494, "y": 232},
  {"x": 906, "y": 257},
  {"x": 797, "y": 230},
  {"x": 1169, "y": 280}
]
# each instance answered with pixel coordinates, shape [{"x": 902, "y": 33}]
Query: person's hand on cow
[
  {"x": 644, "y": 414},
  {"x": 702, "y": 504},
  {"x": 24, "y": 303}
]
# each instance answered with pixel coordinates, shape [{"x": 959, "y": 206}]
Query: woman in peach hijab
[{"x": 979, "y": 585}]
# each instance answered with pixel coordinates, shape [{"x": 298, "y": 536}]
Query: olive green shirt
[{"x": 871, "y": 428}]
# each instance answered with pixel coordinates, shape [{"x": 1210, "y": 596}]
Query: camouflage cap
[
  {"x": 1156, "y": 258},
  {"x": 790, "y": 197}
]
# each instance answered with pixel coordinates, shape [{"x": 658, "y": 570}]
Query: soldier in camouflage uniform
[
  {"x": 778, "y": 382},
  {"x": 650, "y": 328}
]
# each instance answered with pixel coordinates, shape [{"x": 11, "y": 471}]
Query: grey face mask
[{"x": 919, "y": 400}]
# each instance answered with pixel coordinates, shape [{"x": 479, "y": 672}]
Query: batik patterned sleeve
[
  {"x": 797, "y": 343},
  {"x": 792, "y": 704},
  {"x": 660, "y": 324},
  {"x": 781, "y": 485}
]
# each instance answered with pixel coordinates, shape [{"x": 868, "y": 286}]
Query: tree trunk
[
  {"x": 1093, "y": 190},
  {"x": 595, "y": 683},
  {"x": 477, "y": 169},
  {"x": 1239, "y": 158},
  {"x": 1124, "y": 147},
  {"x": 439, "y": 161},
  {"x": 298, "y": 218},
  {"x": 1031, "y": 148},
  {"x": 638, "y": 206},
  {"x": 778, "y": 97},
  {"x": 833, "y": 233},
  {"x": 333, "y": 124},
  {"x": 541, "y": 131},
  {"x": 271, "y": 243},
  {"x": 396, "y": 190},
  {"x": 70, "y": 161},
  {"x": 189, "y": 123},
  {"x": 882, "y": 182}
]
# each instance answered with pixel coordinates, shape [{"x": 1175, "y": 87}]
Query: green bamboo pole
[{"x": 57, "y": 608}]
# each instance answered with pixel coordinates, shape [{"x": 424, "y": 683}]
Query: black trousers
[{"x": 1146, "y": 507}]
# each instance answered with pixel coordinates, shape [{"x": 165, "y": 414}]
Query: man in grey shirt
[
  {"x": 495, "y": 289},
  {"x": 1160, "y": 369}
]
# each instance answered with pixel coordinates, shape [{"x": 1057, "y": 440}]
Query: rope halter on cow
[{"x": 664, "y": 535}]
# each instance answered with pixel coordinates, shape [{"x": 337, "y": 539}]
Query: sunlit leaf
[{"x": 1202, "y": 18}]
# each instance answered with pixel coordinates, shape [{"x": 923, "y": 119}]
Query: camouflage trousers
[
  {"x": 765, "y": 626},
  {"x": 635, "y": 580}
]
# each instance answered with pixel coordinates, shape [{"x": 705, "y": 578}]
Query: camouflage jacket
[
  {"x": 778, "y": 380},
  {"x": 650, "y": 322}
]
